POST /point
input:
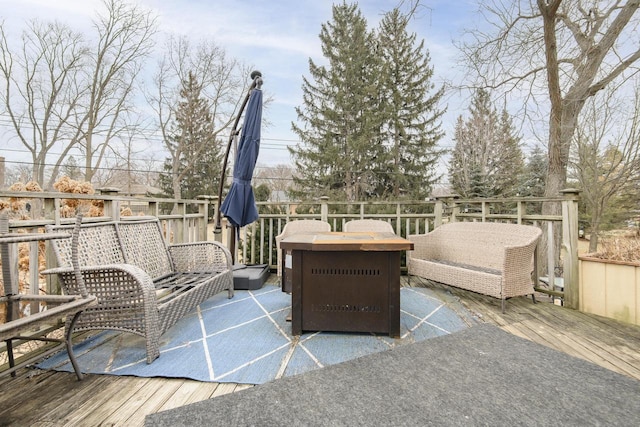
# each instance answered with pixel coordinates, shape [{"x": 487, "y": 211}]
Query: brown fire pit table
[{"x": 344, "y": 282}]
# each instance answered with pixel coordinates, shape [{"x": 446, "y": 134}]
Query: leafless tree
[
  {"x": 222, "y": 80},
  {"x": 555, "y": 54},
  {"x": 133, "y": 164},
  {"x": 64, "y": 90},
  {"x": 17, "y": 172},
  {"x": 124, "y": 40},
  {"x": 39, "y": 88},
  {"x": 606, "y": 158}
]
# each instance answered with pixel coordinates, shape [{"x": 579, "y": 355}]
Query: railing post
[
  {"x": 570, "y": 247},
  {"x": 455, "y": 207},
  {"x": 153, "y": 208},
  {"x": 438, "y": 211},
  {"x": 51, "y": 211},
  {"x": 217, "y": 230},
  {"x": 324, "y": 208},
  {"x": 203, "y": 210},
  {"x": 180, "y": 230},
  {"x": 111, "y": 207},
  {"x": 520, "y": 211}
]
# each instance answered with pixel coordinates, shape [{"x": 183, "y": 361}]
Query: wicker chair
[
  {"x": 495, "y": 259},
  {"x": 302, "y": 226},
  {"x": 142, "y": 285},
  {"x": 369, "y": 225}
]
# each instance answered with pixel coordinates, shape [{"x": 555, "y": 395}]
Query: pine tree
[
  {"x": 72, "y": 169},
  {"x": 507, "y": 161},
  {"x": 479, "y": 184},
  {"x": 340, "y": 117},
  {"x": 535, "y": 173},
  {"x": 411, "y": 123},
  {"x": 195, "y": 164},
  {"x": 487, "y": 152}
]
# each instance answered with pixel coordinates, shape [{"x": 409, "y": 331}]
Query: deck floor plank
[
  {"x": 108, "y": 400},
  {"x": 13, "y": 390},
  {"x": 189, "y": 392},
  {"x": 57, "y": 398},
  {"x": 590, "y": 340},
  {"x": 224, "y": 388},
  {"x": 153, "y": 396}
]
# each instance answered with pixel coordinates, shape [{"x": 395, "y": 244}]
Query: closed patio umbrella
[{"x": 239, "y": 206}]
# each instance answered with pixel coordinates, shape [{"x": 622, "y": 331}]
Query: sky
[{"x": 277, "y": 37}]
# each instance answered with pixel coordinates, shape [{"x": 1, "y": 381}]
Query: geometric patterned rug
[{"x": 247, "y": 339}]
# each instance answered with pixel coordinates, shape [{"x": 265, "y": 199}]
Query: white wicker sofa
[
  {"x": 142, "y": 285},
  {"x": 495, "y": 259}
]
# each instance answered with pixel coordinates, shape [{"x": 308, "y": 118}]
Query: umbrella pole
[
  {"x": 232, "y": 244},
  {"x": 256, "y": 76}
]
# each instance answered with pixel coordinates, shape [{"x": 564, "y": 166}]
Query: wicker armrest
[
  {"x": 519, "y": 264},
  {"x": 114, "y": 282},
  {"x": 197, "y": 256},
  {"x": 419, "y": 238},
  {"x": 57, "y": 270},
  {"x": 422, "y": 244}
]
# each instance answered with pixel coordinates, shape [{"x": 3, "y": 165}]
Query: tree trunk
[{"x": 593, "y": 242}]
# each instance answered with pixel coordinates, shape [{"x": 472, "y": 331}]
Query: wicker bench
[
  {"x": 494, "y": 259},
  {"x": 142, "y": 285}
]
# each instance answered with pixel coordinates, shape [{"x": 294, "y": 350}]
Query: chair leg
[
  {"x": 503, "y": 304},
  {"x": 12, "y": 363},
  {"x": 533, "y": 297},
  {"x": 67, "y": 339}
]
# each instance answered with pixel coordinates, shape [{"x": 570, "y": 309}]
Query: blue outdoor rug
[{"x": 247, "y": 339}]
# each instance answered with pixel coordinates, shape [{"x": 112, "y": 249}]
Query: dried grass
[{"x": 620, "y": 248}]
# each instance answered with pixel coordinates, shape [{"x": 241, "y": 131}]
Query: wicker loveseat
[
  {"x": 368, "y": 225},
  {"x": 495, "y": 259},
  {"x": 142, "y": 285}
]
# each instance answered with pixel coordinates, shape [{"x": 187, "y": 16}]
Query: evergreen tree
[
  {"x": 507, "y": 161},
  {"x": 487, "y": 152},
  {"x": 340, "y": 123},
  {"x": 195, "y": 164},
  {"x": 72, "y": 169},
  {"x": 535, "y": 173},
  {"x": 479, "y": 185},
  {"x": 411, "y": 122}
]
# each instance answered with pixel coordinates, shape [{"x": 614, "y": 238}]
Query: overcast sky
[{"x": 276, "y": 37}]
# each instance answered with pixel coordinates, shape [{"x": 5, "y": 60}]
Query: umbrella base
[{"x": 250, "y": 277}]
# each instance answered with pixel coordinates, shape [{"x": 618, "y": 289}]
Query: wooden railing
[
  {"x": 190, "y": 220},
  {"x": 558, "y": 257}
]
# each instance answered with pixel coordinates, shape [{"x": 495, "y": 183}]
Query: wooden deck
[{"x": 54, "y": 399}]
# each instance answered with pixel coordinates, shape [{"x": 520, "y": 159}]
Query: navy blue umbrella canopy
[{"x": 240, "y": 206}]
